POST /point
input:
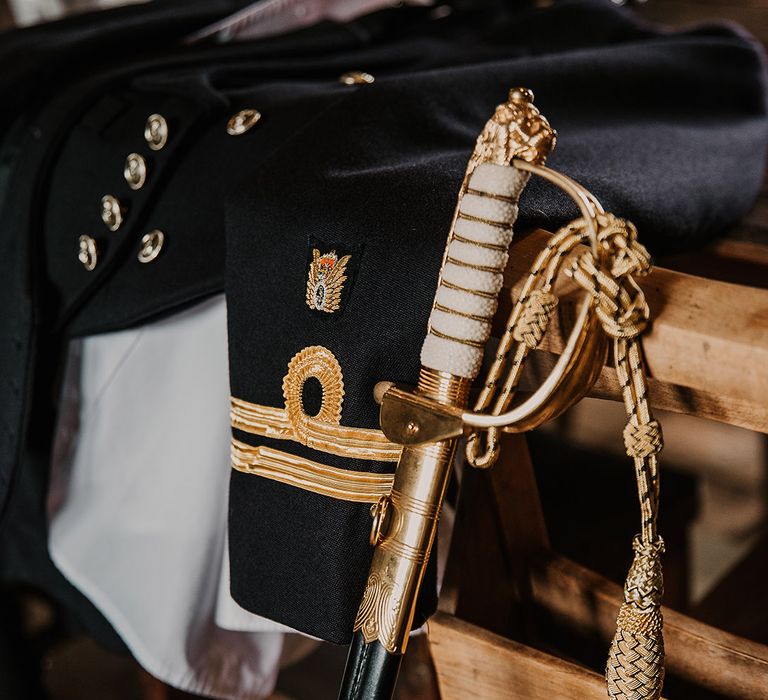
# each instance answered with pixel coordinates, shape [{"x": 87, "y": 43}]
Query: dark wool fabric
[{"x": 668, "y": 129}]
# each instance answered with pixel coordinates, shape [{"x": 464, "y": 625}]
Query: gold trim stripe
[
  {"x": 476, "y": 292},
  {"x": 482, "y": 220},
  {"x": 463, "y": 341},
  {"x": 463, "y": 314},
  {"x": 356, "y": 443},
  {"x": 401, "y": 549},
  {"x": 472, "y": 266},
  {"x": 343, "y": 484},
  {"x": 480, "y": 244},
  {"x": 491, "y": 195}
]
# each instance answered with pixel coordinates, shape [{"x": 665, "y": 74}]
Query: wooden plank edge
[
  {"x": 704, "y": 655},
  {"x": 472, "y": 662}
]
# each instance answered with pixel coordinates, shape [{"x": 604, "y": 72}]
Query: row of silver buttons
[{"x": 135, "y": 170}]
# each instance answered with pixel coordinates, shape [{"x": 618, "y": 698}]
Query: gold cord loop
[
  {"x": 620, "y": 303},
  {"x": 378, "y": 513},
  {"x": 489, "y": 455}
]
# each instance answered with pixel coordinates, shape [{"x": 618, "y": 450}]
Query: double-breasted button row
[
  {"x": 151, "y": 246},
  {"x": 113, "y": 211}
]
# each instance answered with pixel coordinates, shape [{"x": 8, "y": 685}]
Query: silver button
[
  {"x": 156, "y": 131},
  {"x": 135, "y": 171},
  {"x": 88, "y": 254},
  {"x": 151, "y": 245},
  {"x": 243, "y": 121},
  {"x": 356, "y": 77},
  {"x": 111, "y": 212}
]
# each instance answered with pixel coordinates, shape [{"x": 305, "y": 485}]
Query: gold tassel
[{"x": 635, "y": 668}]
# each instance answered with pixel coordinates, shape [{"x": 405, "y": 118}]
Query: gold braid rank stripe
[
  {"x": 342, "y": 484},
  {"x": 357, "y": 443}
]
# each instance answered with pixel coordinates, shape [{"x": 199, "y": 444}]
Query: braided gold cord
[
  {"x": 527, "y": 325},
  {"x": 635, "y": 668},
  {"x": 534, "y": 319}
]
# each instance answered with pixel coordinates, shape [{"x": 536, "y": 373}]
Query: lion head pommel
[{"x": 516, "y": 130}]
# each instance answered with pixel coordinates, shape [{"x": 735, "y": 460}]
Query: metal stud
[
  {"x": 111, "y": 212},
  {"x": 356, "y": 77},
  {"x": 243, "y": 121},
  {"x": 151, "y": 245},
  {"x": 135, "y": 171},
  {"x": 88, "y": 255},
  {"x": 156, "y": 131}
]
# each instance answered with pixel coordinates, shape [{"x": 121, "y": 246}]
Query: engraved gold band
[
  {"x": 357, "y": 443},
  {"x": 342, "y": 484}
]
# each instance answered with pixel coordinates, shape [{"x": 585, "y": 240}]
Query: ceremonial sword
[{"x": 471, "y": 277}]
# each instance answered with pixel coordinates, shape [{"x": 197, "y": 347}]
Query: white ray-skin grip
[{"x": 472, "y": 274}]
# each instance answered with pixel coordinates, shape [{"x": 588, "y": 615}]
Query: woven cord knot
[
  {"x": 643, "y": 440},
  {"x": 534, "y": 319},
  {"x": 620, "y": 303}
]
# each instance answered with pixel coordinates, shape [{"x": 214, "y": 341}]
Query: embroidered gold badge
[{"x": 326, "y": 281}]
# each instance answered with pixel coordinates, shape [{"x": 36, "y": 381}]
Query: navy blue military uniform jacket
[{"x": 667, "y": 128}]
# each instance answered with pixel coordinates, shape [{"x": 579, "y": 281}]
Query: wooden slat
[
  {"x": 474, "y": 663},
  {"x": 707, "y": 350},
  {"x": 6, "y": 19},
  {"x": 499, "y": 525},
  {"x": 669, "y": 397},
  {"x": 704, "y": 655},
  {"x": 750, "y": 13}
]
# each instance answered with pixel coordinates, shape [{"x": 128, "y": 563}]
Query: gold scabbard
[{"x": 405, "y": 524}]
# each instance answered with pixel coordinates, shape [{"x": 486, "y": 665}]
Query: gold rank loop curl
[
  {"x": 319, "y": 363},
  {"x": 615, "y": 310}
]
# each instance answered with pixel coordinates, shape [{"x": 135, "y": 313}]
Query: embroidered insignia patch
[{"x": 325, "y": 281}]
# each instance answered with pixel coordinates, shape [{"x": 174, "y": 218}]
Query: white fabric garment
[
  {"x": 26, "y": 12},
  {"x": 265, "y": 18},
  {"x": 138, "y": 504}
]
